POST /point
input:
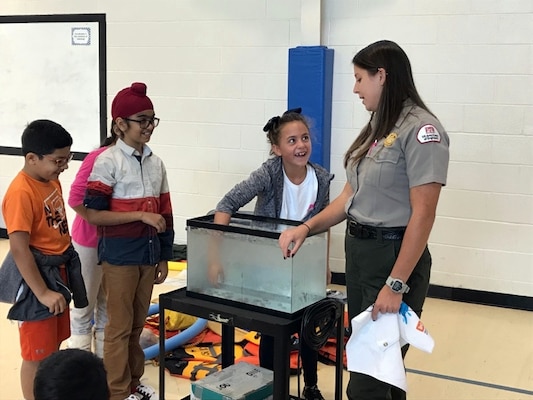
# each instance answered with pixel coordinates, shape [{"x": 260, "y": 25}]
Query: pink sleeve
[{"x": 77, "y": 190}]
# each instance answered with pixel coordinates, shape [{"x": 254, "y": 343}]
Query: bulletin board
[{"x": 53, "y": 67}]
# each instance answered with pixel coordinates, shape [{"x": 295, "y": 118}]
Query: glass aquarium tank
[{"x": 242, "y": 264}]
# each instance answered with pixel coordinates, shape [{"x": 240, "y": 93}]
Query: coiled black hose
[
  {"x": 319, "y": 321},
  {"x": 318, "y": 325}
]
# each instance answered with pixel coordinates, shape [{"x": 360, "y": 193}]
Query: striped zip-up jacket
[{"x": 122, "y": 180}]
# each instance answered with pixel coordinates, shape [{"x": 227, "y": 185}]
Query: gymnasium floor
[{"x": 481, "y": 353}]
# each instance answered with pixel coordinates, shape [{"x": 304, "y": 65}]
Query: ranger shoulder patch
[{"x": 428, "y": 133}]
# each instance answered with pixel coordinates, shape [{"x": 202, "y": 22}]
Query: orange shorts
[{"x": 39, "y": 339}]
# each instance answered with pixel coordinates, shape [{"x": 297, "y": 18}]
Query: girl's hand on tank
[{"x": 291, "y": 239}]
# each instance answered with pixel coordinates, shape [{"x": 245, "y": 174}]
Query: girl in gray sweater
[{"x": 286, "y": 186}]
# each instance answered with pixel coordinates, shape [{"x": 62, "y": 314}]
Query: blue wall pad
[{"x": 310, "y": 87}]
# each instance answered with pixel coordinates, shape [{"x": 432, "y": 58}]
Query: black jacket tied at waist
[{"x": 26, "y": 307}]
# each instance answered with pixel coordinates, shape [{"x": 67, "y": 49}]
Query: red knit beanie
[{"x": 131, "y": 100}]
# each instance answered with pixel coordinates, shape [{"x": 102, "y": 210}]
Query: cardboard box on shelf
[{"x": 242, "y": 381}]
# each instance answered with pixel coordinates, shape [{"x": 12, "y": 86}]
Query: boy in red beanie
[{"x": 128, "y": 199}]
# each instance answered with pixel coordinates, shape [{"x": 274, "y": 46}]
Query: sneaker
[
  {"x": 312, "y": 393},
  {"x": 145, "y": 392}
]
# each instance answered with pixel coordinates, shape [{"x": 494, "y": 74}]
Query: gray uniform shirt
[
  {"x": 266, "y": 183},
  {"x": 416, "y": 152}
]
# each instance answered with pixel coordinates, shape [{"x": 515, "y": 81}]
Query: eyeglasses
[
  {"x": 145, "y": 122},
  {"x": 60, "y": 162}
]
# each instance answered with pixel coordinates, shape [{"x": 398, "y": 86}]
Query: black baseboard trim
[
  {"x": 338, "y": 278},
  {"x": 3, "y": 233},
  {"x": 465, "y": 295},
  {"x": 481, "y": 297}
]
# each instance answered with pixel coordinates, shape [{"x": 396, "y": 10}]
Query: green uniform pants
[{"x": 368, "y": 264}]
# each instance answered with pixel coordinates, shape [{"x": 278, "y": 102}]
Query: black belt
[{"x": 371, "y": 232}]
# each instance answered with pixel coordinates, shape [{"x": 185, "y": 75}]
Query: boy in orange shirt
[{"x": 41, "y": 256}]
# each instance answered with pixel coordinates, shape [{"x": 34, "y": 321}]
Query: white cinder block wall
[{"x": 217, "y": 70}]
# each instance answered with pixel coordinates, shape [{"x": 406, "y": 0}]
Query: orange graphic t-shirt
[{"x": 37, "y": 208}]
